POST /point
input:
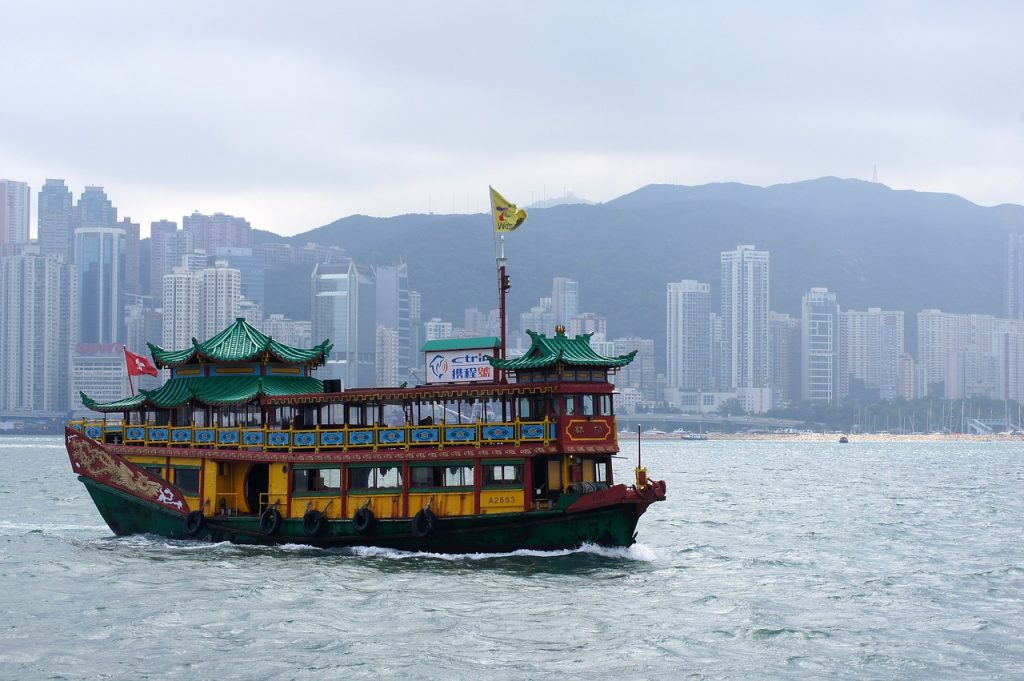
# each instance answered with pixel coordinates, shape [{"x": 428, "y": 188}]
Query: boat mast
[{"x": 503, "y": 287}]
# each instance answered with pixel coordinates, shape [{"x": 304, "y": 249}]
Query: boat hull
[{"x": 545, "y": 530}]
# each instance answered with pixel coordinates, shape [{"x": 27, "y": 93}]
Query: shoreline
[{"x": 853, "y": 438}]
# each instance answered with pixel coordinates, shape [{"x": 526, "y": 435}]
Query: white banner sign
[{"x": 458, "y": 366}]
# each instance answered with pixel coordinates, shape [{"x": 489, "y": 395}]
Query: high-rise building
[
  {"x": 132, "y": 257},
  {"x": 871, "y": 345},
  {"x": 345, "y": 310},
  {"x": 56, "y": 236},
  {"x": 100, "y": 259},
  {"x": 819, "y": 346},
  {"x": 437, "y": 329},
  {"x": 415, "y": 328},
  {"x": 745, "y": 339},
  {"x": 387, "y": 375},
  {"x": 640, "y": 373},
  {"x": 180, "y": 309},
  {"x": 94, "y": 210},
  {"x": 161, "y": 259},
  {"x": 688, "y": 335},
  {"x": 250, "y": 266},
  {"x": 219, "y": 290},
  {"x": 785, "y": 344},
  {"x": 15, "y": 214},
  {"x": 1015, "y": 277},
  {"x": 393, "y": 311},
  {"x": 565, "y": 299},
  {"x": 210, "y": 232},
  {"x": 37, "y": 326}
]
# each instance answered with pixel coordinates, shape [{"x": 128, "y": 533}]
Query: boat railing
[{"x": 320, "y": 438}]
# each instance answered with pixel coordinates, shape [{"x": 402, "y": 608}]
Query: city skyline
[{"x": 688, "y": 95}]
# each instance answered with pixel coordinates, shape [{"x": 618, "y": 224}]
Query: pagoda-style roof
[
  {"x": 547, "y": 352},
  {"x": 213, "y": 391},
  {"x": 240, "y": 342}
]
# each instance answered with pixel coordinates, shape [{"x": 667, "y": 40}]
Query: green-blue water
[{"x": 769, "y": 560}]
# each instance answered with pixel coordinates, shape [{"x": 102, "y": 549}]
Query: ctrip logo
[{"x": 438, "y": 366}]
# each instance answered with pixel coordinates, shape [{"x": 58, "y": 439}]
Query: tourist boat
[{"x": 243, "y": 444}]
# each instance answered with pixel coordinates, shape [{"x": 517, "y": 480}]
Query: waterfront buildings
[
  {"x": 688, "y": 336},
  {"x": 99, "y": 257},
  {"x": 1015, "y": 277},
  {"x": 565, "y": 299},
  {"x": 871, "y": 344},
  {"x": 55, "y": 214}
]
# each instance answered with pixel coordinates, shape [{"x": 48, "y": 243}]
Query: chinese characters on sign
[{"x": 458, "y": 366}]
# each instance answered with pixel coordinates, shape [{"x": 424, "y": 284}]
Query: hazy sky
[{"x": 295, "y": 114}]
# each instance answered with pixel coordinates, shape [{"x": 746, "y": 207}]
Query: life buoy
[
  {"x": 362, "y": 521},
  {"x": 194, "y": 523},
  {"x": 270, "y": 521},
  {"x": 423, "y": 523},
  {"x": 313, "y": 523}
]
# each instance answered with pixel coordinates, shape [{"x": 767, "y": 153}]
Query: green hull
[{"x": 612, "y": 525}]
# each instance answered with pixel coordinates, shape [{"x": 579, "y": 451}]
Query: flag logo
[
  {"x": 138, "y": 365},
  {"x": 507, "y": 216}
]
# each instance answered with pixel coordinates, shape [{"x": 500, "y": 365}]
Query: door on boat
[
  {"x": 257, "y": 484},
  {"x": 547, "y": 478}
]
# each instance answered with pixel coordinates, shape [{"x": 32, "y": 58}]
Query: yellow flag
[{"x": 506, "y": 215}]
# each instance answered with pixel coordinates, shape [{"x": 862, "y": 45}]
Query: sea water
[{"x": 769, "y": 560}]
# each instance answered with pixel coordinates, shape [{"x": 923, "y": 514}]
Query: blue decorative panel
[
  {"x": 181, "y": 435},
  {"x": 392, "y": 436},
  {"x": 305, "y": 439},
  {"x": 254, "y": 437},
  {"x": 227, "y": 437},
  {"x": 332, "y": 438},
  {"x": 204, "y": 435},
  {"x": 498, "y": 433},
  {"x": 135, "y": 433},
  {"x": 158, "y": 434},
  {"x": 360, "y": 437},
  {"x": 277, "y": 439},
  {"x": 531, "y": 431},
  {"x": 76, "y": 426},
  {"x": 459, "y": 434},
  {"x": 95, "y": 432},
  {"x": 423, "y": 435}
]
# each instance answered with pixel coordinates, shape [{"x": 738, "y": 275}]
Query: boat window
[
  {"x": 587, "y": 405},
  {"x": 426, "y": 476},
  {"x": 570, "y": 405},
  {"x": 316, "y": 480},
  {"x": 523, "y": 408},
  {"x": 187, "y": 480},
  {"x": 503, "y": 474},
  {"x": 376, "y": 477},
  {"x": 600, "y": 471},
  {"x": 458, "y": 476},
  {"x": 606, "y": 405},
  {"x": 158, "y": 471}
]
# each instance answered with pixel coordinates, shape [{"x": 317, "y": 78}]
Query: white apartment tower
[
  {"x": 745, "y": 337},
  {"x": 181, "y": 309},
  {"x": 872, "y": 343},
  {"x": 219, "y": 289},
  {"x": 688, "y": 335},
  {"x": 565, "y": 299},
  {"x": 37, "y": 326},
  {"x": 819, "y": 346},
  {"x": 15, "y": 213}
]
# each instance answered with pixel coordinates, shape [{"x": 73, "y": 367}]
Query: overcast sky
[{"x": 295, "y": 114}]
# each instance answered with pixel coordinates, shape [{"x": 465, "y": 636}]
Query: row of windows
[{"x": 390, "y": 477}]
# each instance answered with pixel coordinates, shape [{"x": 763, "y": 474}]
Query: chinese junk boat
[{"x": 243, "y": 444}]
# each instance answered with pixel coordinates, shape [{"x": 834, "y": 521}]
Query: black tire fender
[
  {"x": 362, "y": 521},
  {"x": 270, "y": 521},
  {"x": 313, "y": 523},
  {"x": 194, "y": 523},
  {"x": 423, "y": 523}
]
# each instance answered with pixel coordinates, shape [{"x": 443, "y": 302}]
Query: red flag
[{"x": 138, "y": 365}]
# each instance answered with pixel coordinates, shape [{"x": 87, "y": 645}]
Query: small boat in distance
[{"x": 843, "y": 439}]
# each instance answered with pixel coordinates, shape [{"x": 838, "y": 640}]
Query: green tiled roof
[
  {"x": 461, "y": 344},
  {"x": 215, "y": 391},
  {"x": 240, "y": 342},
  {"x": 547, "y": 352}
]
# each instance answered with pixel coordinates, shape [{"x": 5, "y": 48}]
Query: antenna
[{"x": 874, "y": 173}]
